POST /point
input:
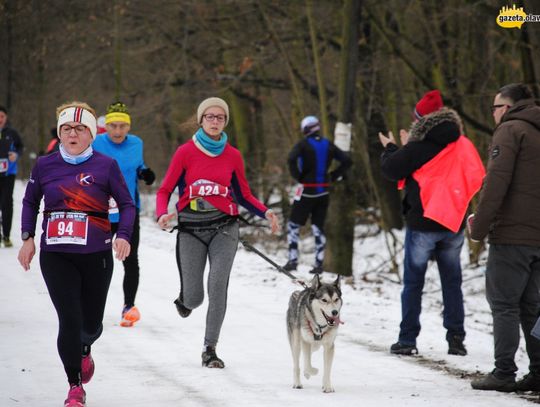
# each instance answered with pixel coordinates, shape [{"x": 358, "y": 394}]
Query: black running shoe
[
  {"x": 492, "y": 382},
  {"x": 290, "y": 266},
  {"x": 399, "y": 348},
  {"x": 456, "y": 346},
  {"x": 181, "y": 308},
  {"x": 316, "y": 270},
  {"x": 210, "y": 359},
  {"x": 529, "y": 382}
]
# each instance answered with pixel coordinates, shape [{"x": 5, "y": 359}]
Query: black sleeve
[
  {"x": 18, "y": 145},
  {"x": 398, "y": 163},
  {"x": 292, "y": 161},
  {"x": 345, "y": 162}
]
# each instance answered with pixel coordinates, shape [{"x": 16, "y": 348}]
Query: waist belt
[
  {"x": 212, "y": 224},
  {"x": 322, "y": 184},
  {"x": 102, "y": 215}
]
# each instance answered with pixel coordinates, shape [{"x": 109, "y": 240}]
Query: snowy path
[{"x": 158, "y": 361}]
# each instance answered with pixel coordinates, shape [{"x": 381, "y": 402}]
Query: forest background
[{"x": 360, "y": 61}]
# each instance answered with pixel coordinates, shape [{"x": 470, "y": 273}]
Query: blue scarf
[
  {"x": 76, "y": 159},
  {"x": 208, "y": 145}
]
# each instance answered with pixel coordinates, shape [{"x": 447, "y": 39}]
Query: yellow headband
[{"x": 117, "y": 117}]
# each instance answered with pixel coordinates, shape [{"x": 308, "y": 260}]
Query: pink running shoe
[
  {"x": 87, "y": 368},
  {"x": 130, "y": 316},
  {"x": 76, "y": 397}
]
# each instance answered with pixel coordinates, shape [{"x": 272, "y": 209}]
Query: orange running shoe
[{"x": 130, "y": 315}]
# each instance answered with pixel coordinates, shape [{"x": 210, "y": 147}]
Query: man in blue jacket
[
  {"x": 309, "y": 163},
  {"x": 11, "y": 147},
  {"x": 127, "y": 150}
]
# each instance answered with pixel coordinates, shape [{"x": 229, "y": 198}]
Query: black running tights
[
  {"x": 78, "y": 286},
  {"x": 131, "y": 264},
  {"x": 7, "y": 183}
]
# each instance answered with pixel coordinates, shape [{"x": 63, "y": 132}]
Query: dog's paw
[
  {"x": 328, "y": 388},
  {"x": 297, "y": 386},
  {"x": 312, "y": 371}
]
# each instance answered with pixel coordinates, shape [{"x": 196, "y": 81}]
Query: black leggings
[
  {"x": 131, "y": 264},
  {"x": 78, "y": 286},
  {"x": 7, "y": 183}
]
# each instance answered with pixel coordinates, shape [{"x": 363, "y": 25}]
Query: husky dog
[{"x": 312, "y": 321}]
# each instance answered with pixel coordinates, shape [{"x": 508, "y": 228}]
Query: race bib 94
[
  {"x": 202, "y": 188},
  {"x": 67, "y": 228}
]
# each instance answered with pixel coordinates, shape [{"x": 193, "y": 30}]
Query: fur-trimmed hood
[{"x": 420, "y": 129}]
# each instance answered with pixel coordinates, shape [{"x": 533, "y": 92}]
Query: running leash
[
  {"x": 247, "y": 245},
  {"x": 253, "y": 249}
]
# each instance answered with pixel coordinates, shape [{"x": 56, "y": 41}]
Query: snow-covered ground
[{"x": 158, "y": 362}]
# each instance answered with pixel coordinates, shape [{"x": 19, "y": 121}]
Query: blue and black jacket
[
  {"x": 310, "y": 160},
  {"x": 10, "y": 141}
]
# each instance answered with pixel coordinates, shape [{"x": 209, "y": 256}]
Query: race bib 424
[{"x": 202, "y": 188}]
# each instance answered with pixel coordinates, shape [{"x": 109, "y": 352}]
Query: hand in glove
[
  {"x": 336, "y": 177},
  {"x": 147, "y": 175}
]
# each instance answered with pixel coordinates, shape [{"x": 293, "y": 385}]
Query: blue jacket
[
  {"x": 309, "y": 162},
  {"x": 129, "y": 155},
  {"x": 10, "y": 141}
]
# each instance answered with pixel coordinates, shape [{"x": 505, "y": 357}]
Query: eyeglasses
[
  {"x": 220, "y": 117},
  {"x": 495, "y": 107},
  {"x": 65, "y": 129}
]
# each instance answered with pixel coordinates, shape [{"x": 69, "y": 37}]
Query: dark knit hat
[{"x": 430, "y": 102}]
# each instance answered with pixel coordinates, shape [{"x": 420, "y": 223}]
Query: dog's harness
[
  {"x": 317, "y": 336},
  {"x": 318, "y": 332}
]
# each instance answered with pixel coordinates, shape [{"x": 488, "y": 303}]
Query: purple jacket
[{"x": 75, "y": 218}]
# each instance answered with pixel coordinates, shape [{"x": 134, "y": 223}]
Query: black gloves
[
  {"x": 336, "y": 176},
  {"x": 147, "y": 175}
]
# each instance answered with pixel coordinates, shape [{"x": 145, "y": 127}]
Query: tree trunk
[
  {"x": 40, "y": 88},
  {"x": 527, "y": 61},
  {"x": 341, "y": 216},
  {"x": 117, "y": 53},
  {"x": 318, "y": 69},
  {"x": 9, "y": 8}
]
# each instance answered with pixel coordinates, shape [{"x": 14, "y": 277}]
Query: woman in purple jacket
[{"x": 76, "y": 257}]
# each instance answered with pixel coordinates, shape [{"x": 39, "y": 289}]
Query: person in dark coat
[
  {"x": 508, "y": 214},
  {"x": 441, "y": 171}
]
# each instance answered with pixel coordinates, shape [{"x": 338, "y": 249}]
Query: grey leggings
[{"x": 191, "y": 253}]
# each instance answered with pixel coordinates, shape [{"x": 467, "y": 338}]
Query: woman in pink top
[{"x": 211, "y": 181}]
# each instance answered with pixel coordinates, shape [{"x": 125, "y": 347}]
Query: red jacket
[
  {"x": 220, "y": 180},
  {"x": 449, "y": 181}
]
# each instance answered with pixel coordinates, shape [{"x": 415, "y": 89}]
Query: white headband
[{"x": 79, "y": 115}]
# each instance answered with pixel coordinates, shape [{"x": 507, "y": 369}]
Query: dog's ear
[
  {"x": 337, "y": 283},
  {"x": 315, "y": 282}
]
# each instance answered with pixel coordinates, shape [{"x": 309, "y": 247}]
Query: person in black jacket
[
  {"x": 309, "y": 162},
  {"x": 11, "y": 147},
  {"x": 447, "y": 185}
]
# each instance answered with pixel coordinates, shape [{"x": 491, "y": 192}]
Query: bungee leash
[{"x": 251, "y": 248}]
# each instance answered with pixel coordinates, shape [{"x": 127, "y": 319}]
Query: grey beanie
[{"x": 211, "y": 102}]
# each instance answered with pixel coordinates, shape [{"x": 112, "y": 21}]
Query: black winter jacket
[{"x": 427, "y": 138}]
